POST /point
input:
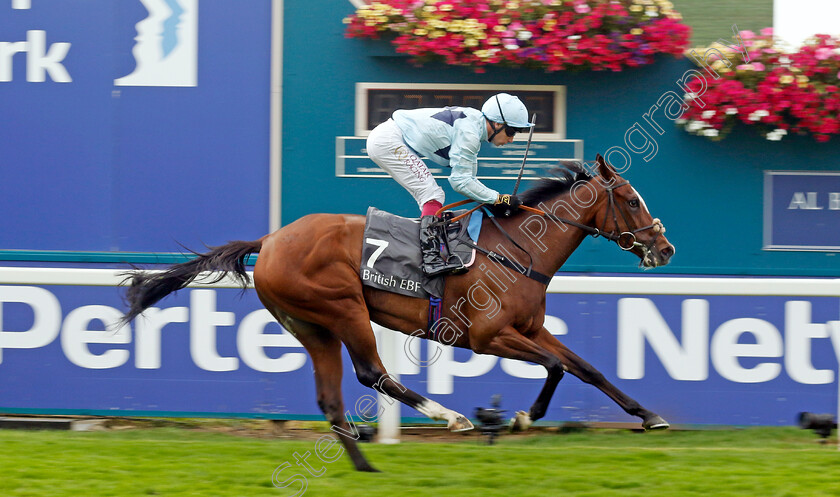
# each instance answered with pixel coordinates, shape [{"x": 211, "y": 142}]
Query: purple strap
[{"x": 435, "y": 305}]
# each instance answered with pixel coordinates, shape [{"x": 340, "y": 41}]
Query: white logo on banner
[
  {"x": 167, "y": 45},
  {"x": 166, "y": 48}
]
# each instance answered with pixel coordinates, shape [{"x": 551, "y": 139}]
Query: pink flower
[
  {"x": 822, "y": 53},
  {"x": 766, "y": 32},
  {"x": 758, "y": 66},
  {"x": 747, "y": 35},
  {"x": 510, "y": 43},
  {"x": 570, "y": 35}
]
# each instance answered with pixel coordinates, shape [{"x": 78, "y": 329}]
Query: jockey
[{"x": 449, "y": 136}]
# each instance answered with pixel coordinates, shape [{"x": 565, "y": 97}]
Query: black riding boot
[{"x": 430, "y": 242}]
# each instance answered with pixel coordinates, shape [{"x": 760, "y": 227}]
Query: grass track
[{"x": 169, "y": 461}]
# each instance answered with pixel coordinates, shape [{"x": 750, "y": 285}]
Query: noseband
[{"x": 627, "y": 240}]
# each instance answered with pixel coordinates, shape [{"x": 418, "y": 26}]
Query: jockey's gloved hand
[
  {"x": 509, "y": 200},
  {"x": 506, "y": 205}
]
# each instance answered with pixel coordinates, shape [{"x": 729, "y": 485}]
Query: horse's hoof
[
  {"x": 656, "y": 423},
  {"x": 367, "y": 468},
  {"x": 520, "y": 422},
  {"x": 460, "y": 424}
]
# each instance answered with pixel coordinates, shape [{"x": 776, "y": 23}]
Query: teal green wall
[{"x": 709, "y": 194}]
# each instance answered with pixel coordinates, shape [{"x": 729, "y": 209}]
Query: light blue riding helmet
[{"x": 507, "y": 109}]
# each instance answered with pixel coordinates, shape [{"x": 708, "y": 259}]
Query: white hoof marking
[{"x": 455, "y": 421}]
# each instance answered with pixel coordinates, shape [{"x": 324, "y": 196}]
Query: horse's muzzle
[
  {"x": 665, "y": 254},
  {"x": 660, "y": 254},
  {"x": 654, "y": 254}
]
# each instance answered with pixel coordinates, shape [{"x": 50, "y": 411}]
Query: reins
[
  {"x": 626, "y": 240},
  {"x": 501, "y": 259},
  {"x": 458, "y": 204}
]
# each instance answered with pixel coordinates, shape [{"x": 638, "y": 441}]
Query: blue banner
[
  {"x": 718, "y": 360},
  {"x": 802, "y": 210},
  {"x": 127, "y": 124}
]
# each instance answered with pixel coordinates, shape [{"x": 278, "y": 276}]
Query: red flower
[
  {"x": 796, "y": 92},
  {"x": 571, "y": 35}
]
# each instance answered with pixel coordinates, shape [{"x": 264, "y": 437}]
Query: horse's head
[{"x": 624, "y": 217}]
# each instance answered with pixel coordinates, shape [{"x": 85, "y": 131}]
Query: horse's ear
[
  {"x": 607, "y": 176},
  {"x": 606, "y": 171}
]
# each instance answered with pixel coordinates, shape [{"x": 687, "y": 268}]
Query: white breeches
[{"x": 386, "y": 148}]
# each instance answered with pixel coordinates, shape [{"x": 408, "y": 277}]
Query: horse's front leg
[
  {"x": 588, "y": 374},
  {"x": 522, "y": 420},
  {"x": 510, "y": 344}
]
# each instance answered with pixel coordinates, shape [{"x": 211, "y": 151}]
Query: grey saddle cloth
[{"x": 391, "y": 257}]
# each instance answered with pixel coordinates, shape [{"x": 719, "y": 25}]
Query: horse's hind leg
[
  {"x": 359, "y": 339},
  {"x": 325, "y": 350},
  {"x": 588, "y": 374}
]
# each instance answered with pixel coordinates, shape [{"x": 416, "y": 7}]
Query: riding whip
[{"x": 525, "y": 157}]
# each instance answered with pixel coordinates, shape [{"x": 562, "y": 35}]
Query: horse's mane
[{"x": 561, "y": 180}]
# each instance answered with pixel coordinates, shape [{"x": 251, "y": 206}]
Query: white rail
[{"x": 622, "y": 285}]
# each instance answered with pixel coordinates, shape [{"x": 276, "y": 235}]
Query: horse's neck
[
  {"x": 562, "y": 243},
  {"x": 561, "y": 246},
  {"x": 573, "y": 238}
]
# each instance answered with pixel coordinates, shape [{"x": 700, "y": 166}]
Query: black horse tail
[{"x": 145, "y": 288}]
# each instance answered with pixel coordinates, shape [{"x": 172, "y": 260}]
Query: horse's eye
[{"x": 634, "y": 203}]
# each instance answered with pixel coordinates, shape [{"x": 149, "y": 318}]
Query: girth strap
[
  {"x": 504, "y": 261},
  {"x": 435, "y": 305}
]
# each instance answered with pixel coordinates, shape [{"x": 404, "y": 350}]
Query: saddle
[{"x": 391, "y": 258}]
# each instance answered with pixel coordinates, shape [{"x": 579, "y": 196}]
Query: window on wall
[{"x": 375, "y": 102}]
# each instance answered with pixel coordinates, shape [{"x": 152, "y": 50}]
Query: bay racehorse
[{"x": 307, "y": 276}]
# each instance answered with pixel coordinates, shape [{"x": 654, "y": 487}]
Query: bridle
[{"x": 626, "y": 240}]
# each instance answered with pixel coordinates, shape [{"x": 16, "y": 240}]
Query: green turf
[{"x": 170, "y": 461}]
